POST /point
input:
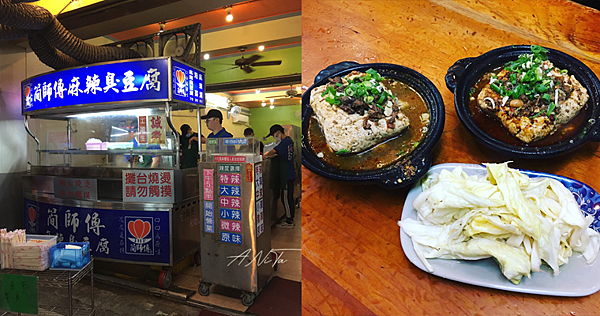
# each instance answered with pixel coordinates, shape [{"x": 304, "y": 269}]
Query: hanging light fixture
[
  {"x": 261, "y": 48},
  {"x": 264, "y": 104},
  {"x": 257, "y": 91},
  {"x": 272, "y": 106},
  {"x": 272, "y": 101},
  {"x": 206, "y": 56},
  {"x": 229, "y": 17},
  {"x": 299, "y": 88},
  {"x": 161, "y": 26}
]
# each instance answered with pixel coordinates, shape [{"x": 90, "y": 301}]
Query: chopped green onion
[
  {"x": 401, "y": 153},
  {"x": 342, "y": 151},
  {"x": 541, "y": 88},
  {"x": 546, "y": 97},
  {"x": 338, "y": 84},
  {"x": 333, "y": 101},
  {"x": 495, "y": 87},
  {"x": 564, "y": 71},
  {"x": 536, "y": 115},
  {"x": 416, "y": 144},
  {"x": 381, "y": 107},
  {"x": 369, "y": 99},
  {"x": 551, "y": 108}
]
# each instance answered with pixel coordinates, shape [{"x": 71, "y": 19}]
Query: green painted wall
[
  {"x": 261, "y": 119},
  {"x": 219, "y": 70}
]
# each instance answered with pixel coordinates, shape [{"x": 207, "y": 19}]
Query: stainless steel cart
[{"x": 236, "y": 230}]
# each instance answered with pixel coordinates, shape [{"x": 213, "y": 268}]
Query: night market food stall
[{"x": 105, "y": 165}]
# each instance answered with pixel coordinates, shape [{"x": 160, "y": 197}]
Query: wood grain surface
[{"x": 353, "y": 263}]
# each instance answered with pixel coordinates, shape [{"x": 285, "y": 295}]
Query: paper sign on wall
[
  {"x": 19, "y": 293},
  {"x": 148, "y": 186}
]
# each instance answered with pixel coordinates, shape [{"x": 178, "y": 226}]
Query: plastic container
[
  {"x": 61, "y": 257},
  {"x": 119, "y": 145},
  {"x": 96, "y": 146}
]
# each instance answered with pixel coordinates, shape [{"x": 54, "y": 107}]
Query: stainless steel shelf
[
  {"x": 155, "y": 152},
  {"x": 56, "y": 311},
  {"x": 55, "y": 278}
]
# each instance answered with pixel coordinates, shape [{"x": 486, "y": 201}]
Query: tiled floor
[{"x": 286, "y": 241}]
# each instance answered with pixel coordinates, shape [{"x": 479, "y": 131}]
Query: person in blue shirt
[
  {"x": 144, "y": 161},
  {"x": 214, "y": 122},
  {"x": 285, "y": 151}
]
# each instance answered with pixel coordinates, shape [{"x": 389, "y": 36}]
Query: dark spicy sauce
[
  {"x": 494, "y": 128},
  {"x": 385, "y": 153}
]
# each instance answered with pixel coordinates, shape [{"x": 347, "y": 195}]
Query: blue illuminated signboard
[
  {"x": 134, "y": 80},
  {"x": 188, "y": 83}
]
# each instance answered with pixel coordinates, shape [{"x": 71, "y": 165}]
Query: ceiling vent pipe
[{"x": 54, "y": 45}]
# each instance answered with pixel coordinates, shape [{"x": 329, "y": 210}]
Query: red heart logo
[
  {"x": 139, "y": 228},
  {"x": 27, "y": 90},
  {"x": 180, "y": 76},
  {"x": 31, "y": 214}
]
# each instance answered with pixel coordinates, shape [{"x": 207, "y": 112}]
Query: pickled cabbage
[{"x": 519, "y": 221}]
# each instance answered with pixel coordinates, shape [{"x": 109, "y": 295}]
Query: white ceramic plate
[{"x": 576, "y": 278}]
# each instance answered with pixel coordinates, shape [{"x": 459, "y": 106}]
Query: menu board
[{"x": 230, "y": 203}]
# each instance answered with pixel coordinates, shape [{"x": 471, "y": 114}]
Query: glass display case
[
  {"x": 137, "y": 138},
  {"x": 248, "y": 147}
]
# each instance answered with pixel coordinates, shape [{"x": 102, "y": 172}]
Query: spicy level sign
[{"x": 230, "y": 168}]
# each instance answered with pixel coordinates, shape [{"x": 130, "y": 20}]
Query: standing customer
[
  {"x": 188, "y": 144},
  {"x": 249, "y": 132},
  {"x": 285, "y": 151}
]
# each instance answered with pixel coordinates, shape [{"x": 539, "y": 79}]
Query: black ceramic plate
[
  {"x": 465, "y": 72},
  {"x": 399, "y": 175}
]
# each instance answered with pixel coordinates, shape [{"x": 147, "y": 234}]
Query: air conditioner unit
[{"x": 240, "y": 119}]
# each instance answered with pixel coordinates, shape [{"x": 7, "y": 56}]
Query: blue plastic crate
[{"x": 63, "y": 258}]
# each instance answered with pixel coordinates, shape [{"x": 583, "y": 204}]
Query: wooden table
[{"x": 352, "y": 261}]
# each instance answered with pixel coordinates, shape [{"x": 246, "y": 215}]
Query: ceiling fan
[
  {"x": 246, "y": 64},
  {"x": 291, "y": 93}
]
